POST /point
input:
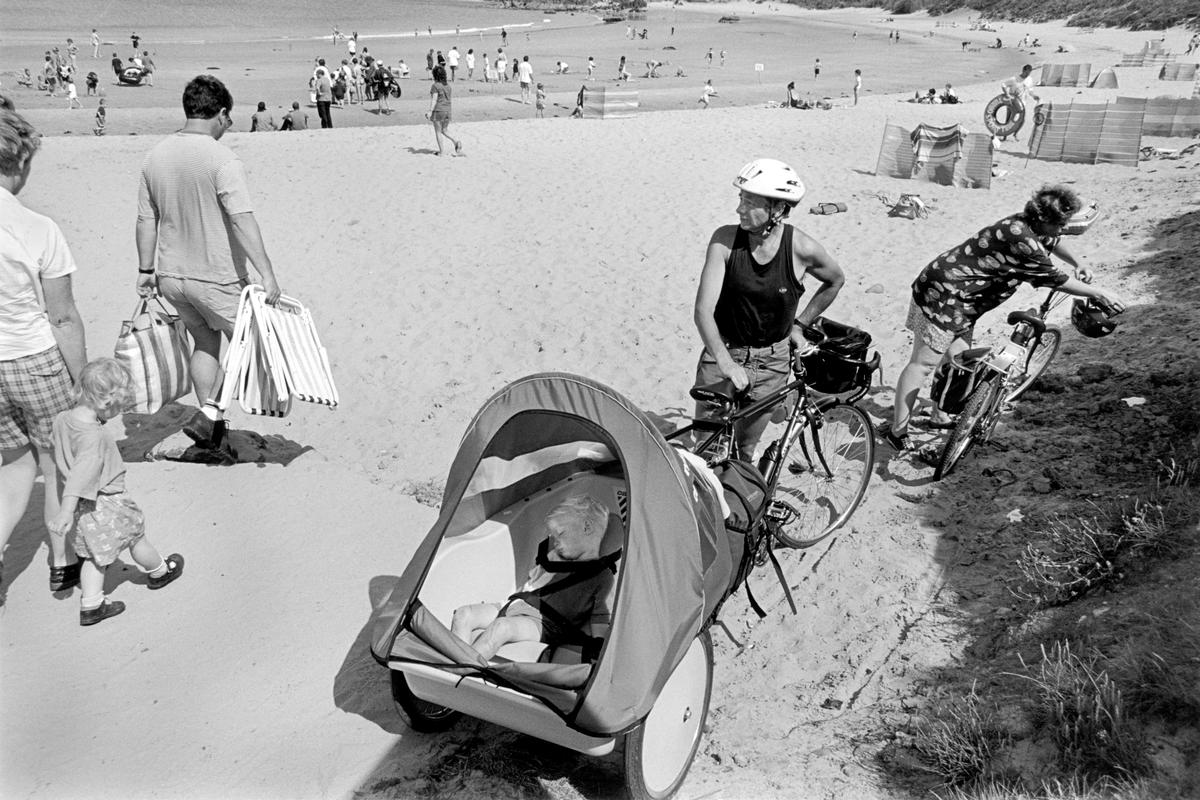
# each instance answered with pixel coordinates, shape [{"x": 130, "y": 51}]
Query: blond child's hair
[
  {"x": 104, "y": 385},
  {"x": 580, "y": 515}
]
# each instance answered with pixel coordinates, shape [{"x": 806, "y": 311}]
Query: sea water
[{"x": 202, "y": 21}]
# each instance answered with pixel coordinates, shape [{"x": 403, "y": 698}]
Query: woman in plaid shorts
[{"x": 41, "y": 344}]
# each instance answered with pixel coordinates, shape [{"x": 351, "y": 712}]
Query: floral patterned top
[{"x": 963, "y": 283}]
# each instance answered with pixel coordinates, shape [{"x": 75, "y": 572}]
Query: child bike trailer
[{"x": 638, "y": 674}]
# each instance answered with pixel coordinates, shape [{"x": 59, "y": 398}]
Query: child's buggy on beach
[{"x": 642, "y": 681}]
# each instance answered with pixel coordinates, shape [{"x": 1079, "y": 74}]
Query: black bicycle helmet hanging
[{"x": 1090, "y": 319}]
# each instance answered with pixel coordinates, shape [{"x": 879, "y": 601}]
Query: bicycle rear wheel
[
  {"x": 1041, "y": 353},
  {"x": 824, "y": 475},
  {"x": 970, "y": 425}
]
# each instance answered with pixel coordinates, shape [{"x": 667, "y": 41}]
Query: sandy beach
[{"x": 554, "y": 244}]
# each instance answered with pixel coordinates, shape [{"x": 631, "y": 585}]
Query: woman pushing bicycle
[
  {"x": 963, "y": 283},
  {"x": 750, "y": 291}
]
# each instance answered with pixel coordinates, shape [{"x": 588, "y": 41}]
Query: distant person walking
[
  {"x": 101, "y": 119},
  {"x": 817, "y": 69},
  {"x": 470, "y": 64},
  {"x": 95, "y": 44},
  {"x": 148, "y": 67},
  {"x": 525, "y": 77},
  {"x": 41, "y": 346},
  {"x": 857, "y": 84},
  {"x": 439, "y": 111},
  {"x": 708, "y": 58},
  {"x": 324, "y": 89},
  {"x": 452, "y": 62},
  {"x": 196, "y": 232}
]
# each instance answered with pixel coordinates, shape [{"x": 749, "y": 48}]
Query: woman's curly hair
[{"x": 1052, "y": 205}]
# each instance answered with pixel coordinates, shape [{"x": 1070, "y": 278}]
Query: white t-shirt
[
  {"x": 30, "y": 243},
  {"x": 452, "y": 57},
  {"x": 470, "y": 61},
  {"x": 525, "y": 72}
]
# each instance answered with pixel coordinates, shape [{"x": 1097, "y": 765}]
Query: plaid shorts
[
  {"x": 33, "y": 391},
  {"x": 938, "y": 339}
]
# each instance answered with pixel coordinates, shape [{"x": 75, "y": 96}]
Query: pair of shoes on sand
[
  {"x": 898, "y": 443},
  {"x": 111, "y": 608},
  {"x": 210, "y": 435}
]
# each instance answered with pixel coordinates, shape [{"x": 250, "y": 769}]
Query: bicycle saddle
[
  {"x": 1036, "y": 322},
  {"x": 723, "y": 391}
]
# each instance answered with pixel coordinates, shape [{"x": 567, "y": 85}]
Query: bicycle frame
[{"x": 805, "y": 412}]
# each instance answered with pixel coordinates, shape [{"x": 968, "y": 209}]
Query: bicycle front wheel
[
  {"x": 1041, "y": 353},
  {"x": 824, "y": 475},
  {"x": 971, "y": 424}
]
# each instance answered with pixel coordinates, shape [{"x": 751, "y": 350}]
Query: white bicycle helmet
[{"x": 767, "y": 177}]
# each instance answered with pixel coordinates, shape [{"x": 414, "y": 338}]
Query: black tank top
[{"x": 758, "y": 302}]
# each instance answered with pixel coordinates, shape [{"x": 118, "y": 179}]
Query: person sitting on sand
[
  {"x": 949, "y": 97},
  {"x": 91, "y": 485},
  {"x": 262, "y": 120},
  {"x": 955, "y": 289},
  {"x": 26, "y": 78},
  {"x": 793, "y": 97},
  {"x": 539, "y": 613},
  {"x": 295, "y": 120}
]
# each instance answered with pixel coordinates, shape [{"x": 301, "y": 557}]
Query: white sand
[{"x": 555, "y": 244}]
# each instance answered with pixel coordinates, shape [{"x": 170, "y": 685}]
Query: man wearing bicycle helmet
[
  {"x": 750, "y": 289},
  {"x": 965, "y": 282}
]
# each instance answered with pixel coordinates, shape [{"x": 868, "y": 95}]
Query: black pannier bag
[
  {"x": 745, "y": 493},
  {"x": 956, "y": 378},
  {"x": 840, "y": 365}
]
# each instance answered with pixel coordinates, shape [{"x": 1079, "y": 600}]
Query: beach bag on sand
[
  {"x": 839, "y": 365},
  {"x": 956, "y": 379},
  {"x": 909, "y": 206},
  {"x": 153, "y": 345}
]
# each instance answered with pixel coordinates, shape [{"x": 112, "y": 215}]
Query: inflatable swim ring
[
  {"x": 1082, "y": 220},
  {"x": 1004, "y": 115},
  {"x": 132, "y": 76}
]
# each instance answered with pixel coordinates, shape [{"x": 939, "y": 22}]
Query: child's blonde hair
[
  {"x": 580, "y": 514},
  {"x": 104, "y": 385}
]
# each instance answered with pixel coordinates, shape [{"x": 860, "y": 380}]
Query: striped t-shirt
[{"x": 191, "y": 185}]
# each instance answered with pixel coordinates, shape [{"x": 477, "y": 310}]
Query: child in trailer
[
  {"x": 564, "y": 599},
  {"x": 91, "y": 484}
]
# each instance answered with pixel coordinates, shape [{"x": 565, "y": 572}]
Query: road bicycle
[
  {"x": 1004, "y": 374},
  {"x": 818, "y": 469}
]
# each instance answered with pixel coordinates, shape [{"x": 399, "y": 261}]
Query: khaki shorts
[
  {"x": 937, "y": 339},
  {"x": 202, "y": 304}
]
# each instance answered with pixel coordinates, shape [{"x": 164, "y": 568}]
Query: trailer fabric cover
[
  {"x": 1066, "y": 74},
  {"x": 609, "y": 103},
  {"x": 675, "y": 568},
  {"x": 1087, "y": 133},
  {"x": 951, "y": 156},
  {"x": 1167, "y": 116}
]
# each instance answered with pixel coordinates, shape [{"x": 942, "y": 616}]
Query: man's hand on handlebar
[{"x": 801, "y": 346}]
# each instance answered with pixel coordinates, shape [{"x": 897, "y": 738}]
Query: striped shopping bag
[{"x": 153, "y": 345}]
